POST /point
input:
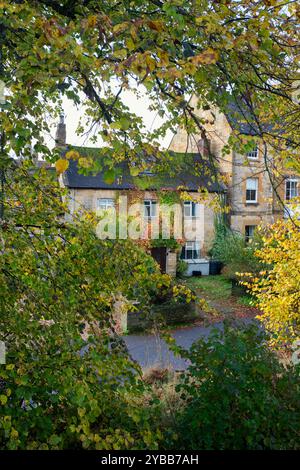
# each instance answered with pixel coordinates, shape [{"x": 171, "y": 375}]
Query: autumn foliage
[{"x": 277, "y": 289}]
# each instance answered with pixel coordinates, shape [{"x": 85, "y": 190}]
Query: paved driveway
[{"x": 151, "y": 351}]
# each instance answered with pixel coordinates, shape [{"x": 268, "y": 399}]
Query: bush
[
  {"x": 230, "y": 248},
  {"x": 181, "y": 268},
  {"x": 237, "y": 395}
]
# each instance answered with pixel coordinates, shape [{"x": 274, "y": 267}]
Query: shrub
[
  {"x": 230, "y": 248},
  {"x": 237, "y": 395},
  {"x": 181, "y": 268}
]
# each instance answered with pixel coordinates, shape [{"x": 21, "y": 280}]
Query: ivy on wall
[{"x": 170, "y": 243}]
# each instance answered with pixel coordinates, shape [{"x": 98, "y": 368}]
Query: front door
[{"x": 160, "y": 256}]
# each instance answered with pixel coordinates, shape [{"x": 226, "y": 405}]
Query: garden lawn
[
  {"x": 212, "y": 287},
  {"x": 216, "y": 290}
]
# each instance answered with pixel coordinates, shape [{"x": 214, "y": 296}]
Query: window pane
[
  {"x": 187, "y": 209},
  {"x": 193, "y": 209},
  {"x": 153, "y": 208},
  {"x": 253, "y": 153},
  {"x": 196, "y": 250},
  {"x": 249, "y": 232},
  {"x": 251, "y": 189},
  {"x": 291, "y": 189},
  {"x": 250, "y": 195},
  {"x": 149, "y": 208},
  {"x": 191, "y": 250},
  {"x": 105, "y": 203},
  {"x": 288, "y": 190},
  {"x": 251, "y": 183}
]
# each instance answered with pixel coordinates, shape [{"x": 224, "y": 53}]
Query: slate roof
[
  {"x": 240, "y": 119},
  {"x": 74, "y": 178}
]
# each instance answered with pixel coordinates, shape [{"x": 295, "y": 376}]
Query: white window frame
[
  {"x": 191, "y": 209},
  {"x": 105, "y": 203},
  {"x": 194, "y": 248},
  {"x": 291, "y": 180},
  {"x": 250, "y": 235},
  {"x": 152, "y": 205},
  {"x": 253, "y": 154},
  {"x": 252, "y": 201}
]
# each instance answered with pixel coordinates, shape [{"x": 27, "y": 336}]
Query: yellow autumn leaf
[
  {"x": 120, "y": 28},
  {"x": 72, "y": 155},
  {"x": 174, "y": 73},
  {"x": 14, "y": 433},
  {"x": 207, "y": 57},
  {"x": 61, "y": 165},
  {"x": 85, "y": 162},
  {"x": 151, "y": 64},
  {"x": 92, "y": 21},
  {"x": 190, "y": 68},
  {"x": 164, "y": 58},
  {"x": 156, "y": 25}
]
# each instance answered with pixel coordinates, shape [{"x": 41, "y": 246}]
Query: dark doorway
[{"x": 160, "y": 256}]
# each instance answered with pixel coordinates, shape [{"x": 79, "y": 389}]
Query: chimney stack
[
  {"x": 61, "y": 133},
  {"x": 203, "y": 145}
]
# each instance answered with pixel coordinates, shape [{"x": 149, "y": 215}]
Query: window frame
[
  {"x": 249, "y": 236},
  {"x": 291, "y": 180},
  {"x": 194, "y": 249},
  {"x": 107, "y": 206},
  {"x": 151, "y": 203},
  {"x": 252, "y": 201},
  {"x": 255, "y": 151},
  {"x": 193, "y": 207}
]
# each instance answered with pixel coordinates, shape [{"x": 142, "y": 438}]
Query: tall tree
[{"x": 92, "y": 51}]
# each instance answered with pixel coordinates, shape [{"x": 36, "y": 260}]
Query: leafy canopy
[{"x": 91, "y": 52}]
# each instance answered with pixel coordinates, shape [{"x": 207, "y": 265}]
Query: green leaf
[
  {"x": 3, "y": 399},
  {"x": 109, "y": 176}
]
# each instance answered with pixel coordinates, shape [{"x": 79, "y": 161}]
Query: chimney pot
[{"x": 61, "y": 133}]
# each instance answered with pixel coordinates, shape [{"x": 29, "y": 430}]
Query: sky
[{"x": 139, "y": 106}]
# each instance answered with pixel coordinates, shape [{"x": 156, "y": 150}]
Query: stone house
[
  {"x": 250, "y": 195},
  {"x": 94, "y": 193},
  {"x": 248, "y": 191}
]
